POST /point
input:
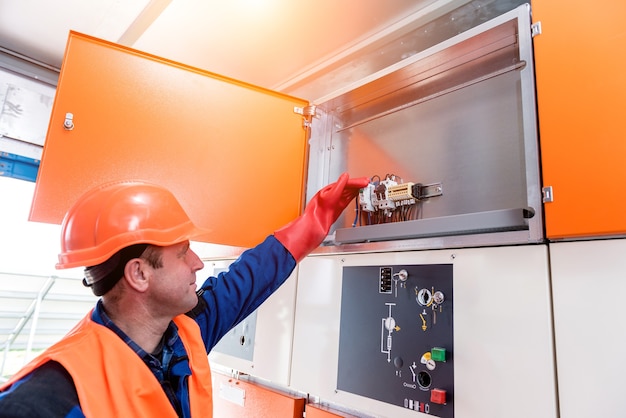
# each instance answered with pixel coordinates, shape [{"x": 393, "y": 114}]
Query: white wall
[{"x": 26, "y": 247}]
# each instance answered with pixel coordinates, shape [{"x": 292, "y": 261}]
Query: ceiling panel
[
  {"x": 38, "y": 29},
  {"x": 264, "y": 42}
]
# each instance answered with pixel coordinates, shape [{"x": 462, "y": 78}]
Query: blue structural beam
[{"x": 19, "y": 167}]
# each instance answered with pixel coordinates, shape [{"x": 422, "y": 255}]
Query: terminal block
[
  {"x": 402, "y": 194},
  {"x": 392, "y": 200}
]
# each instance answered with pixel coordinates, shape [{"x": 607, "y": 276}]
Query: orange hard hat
[{"x": 116, "y": 215}]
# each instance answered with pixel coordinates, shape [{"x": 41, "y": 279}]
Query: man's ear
[{"x": 137, "y": 275}]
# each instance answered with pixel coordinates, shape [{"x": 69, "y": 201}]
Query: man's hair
[
  {"x": 152, "y": 255},
  {"x": 102, "y": 277}
]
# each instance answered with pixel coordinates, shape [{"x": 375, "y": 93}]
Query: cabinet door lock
[{"x": 69, "y": 122}]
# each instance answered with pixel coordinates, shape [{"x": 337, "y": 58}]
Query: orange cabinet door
[
  {"x": 581, "y": 93},
  {"x": 234, "y": 154}
]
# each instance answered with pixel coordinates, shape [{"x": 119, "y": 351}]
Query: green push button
[{"x": 438, "y": 354}]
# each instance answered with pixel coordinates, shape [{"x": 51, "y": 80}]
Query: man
[{"x": 142, "y": 351}]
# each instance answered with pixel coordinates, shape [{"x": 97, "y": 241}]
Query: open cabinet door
[{"x": 233, "y": 154}]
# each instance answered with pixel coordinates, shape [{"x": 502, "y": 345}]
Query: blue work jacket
[{"x": 224, "y": 301}]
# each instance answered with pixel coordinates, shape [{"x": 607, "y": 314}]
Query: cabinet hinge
[
  {"x": 535, "y": 29},
  {"x": 548, "y": 196},
  {"x": 307, "y": 112}
]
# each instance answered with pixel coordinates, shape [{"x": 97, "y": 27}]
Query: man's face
[{"x": 173, "y": 286}]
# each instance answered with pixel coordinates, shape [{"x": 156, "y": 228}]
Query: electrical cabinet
[
  {"x": 588, "y": 288},
  {"x": 448, "y": 137},
  {"x": 502, "y": 332},
  {"x": 455, "y": 122},
  {"x": 232, "y": 153},
  {"x": 581, "y": 94}
]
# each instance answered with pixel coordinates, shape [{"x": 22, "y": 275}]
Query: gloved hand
[{"x": 305, "y": 233}]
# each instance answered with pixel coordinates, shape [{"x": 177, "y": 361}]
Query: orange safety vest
[{"x": 111, "y": 379}]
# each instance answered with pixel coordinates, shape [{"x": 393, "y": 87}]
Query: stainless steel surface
[
  {"x": 469, "y": 140},
  {"x": 461, "y": 113},
  {"x": 469, "y": 223},
  {"x": 27, "y": 67},
  {"x": 435, "y": 23}
]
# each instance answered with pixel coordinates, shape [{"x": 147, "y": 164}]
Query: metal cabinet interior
[{"x": 462, "y": 114}]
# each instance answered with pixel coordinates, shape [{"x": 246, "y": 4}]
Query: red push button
[{"x": 438, "y": 396}]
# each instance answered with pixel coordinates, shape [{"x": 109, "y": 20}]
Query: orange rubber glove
[{"x": 306, "y": 233}]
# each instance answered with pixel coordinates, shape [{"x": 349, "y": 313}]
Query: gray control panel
[{"x": 396, "y": 336}]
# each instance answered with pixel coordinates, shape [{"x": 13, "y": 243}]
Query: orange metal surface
[
  {"x": 581, "y": 90},
  {"x": 259, "y": 402},
  {"x": 232, "y": 153},
  {"x": 318, "y": 411}
]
